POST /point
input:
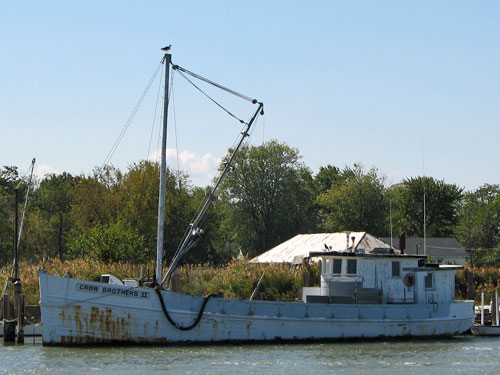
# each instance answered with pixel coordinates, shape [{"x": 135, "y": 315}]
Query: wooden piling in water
[
  {"x": 9, "y": 331},
  {"x": 20, "y": 319},
  {"x": 6, "y": 306}
]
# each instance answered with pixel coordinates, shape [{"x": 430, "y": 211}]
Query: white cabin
[{"x": 359, "y": 278}]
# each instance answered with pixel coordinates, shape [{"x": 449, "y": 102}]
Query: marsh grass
[{"x": 235, "y": 280}]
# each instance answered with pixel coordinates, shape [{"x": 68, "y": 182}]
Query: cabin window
[
  {"x": 428, "y": 281},
  {"x": 326, "y": 266},
  {"x": 337, "y": 266},
  {"x": 352, "y": 266},
  {"x": 395, "y": 269}
]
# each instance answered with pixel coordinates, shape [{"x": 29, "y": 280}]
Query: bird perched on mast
[{"x": 167, "y": 48}]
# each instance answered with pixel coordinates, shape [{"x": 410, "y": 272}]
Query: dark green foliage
[
  {"x": 268, "y": 197},
  {"x": 117, "y": 242},
  {"x": 479, "y": 223},
  {"x": 441, "y": 202},
  {"x": 51, "y": 215},
  {"x": 8, "y": 181},
  {"x": 355, "y": 201}
]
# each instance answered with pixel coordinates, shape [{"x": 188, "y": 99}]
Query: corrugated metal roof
[{"x": 302, "y": 244}]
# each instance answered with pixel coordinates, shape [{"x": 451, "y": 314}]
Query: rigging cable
[
  {"x": 131, "y": 117},
  {"x": 212, "y": 99},
  {"x": 254, "y": 101},
  {"x": 25, "y": 201},
  {"x": 154, "y": 116},
  {"x": 175, "y": 126}
]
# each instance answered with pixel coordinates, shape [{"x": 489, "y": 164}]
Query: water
[{"x": 460, "y": 355}]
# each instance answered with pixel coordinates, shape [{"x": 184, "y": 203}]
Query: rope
[{"x": 176, "y": 324}]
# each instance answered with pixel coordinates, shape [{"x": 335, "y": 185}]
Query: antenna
[{"x": 423, "y": 180}]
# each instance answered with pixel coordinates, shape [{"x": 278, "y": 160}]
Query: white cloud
[
  {"x": 42, "y": 170},
  {"x": 200, "y": 168}
]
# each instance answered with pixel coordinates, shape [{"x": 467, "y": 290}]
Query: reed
[{"x": 235, "y": 280}]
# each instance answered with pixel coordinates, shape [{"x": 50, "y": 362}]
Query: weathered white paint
[{"x": 77, "y": 312}]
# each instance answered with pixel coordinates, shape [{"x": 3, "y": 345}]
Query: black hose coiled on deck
[{"x": 177, "y": 325}]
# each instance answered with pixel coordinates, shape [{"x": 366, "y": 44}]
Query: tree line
[{"x": 269, "y": 196}]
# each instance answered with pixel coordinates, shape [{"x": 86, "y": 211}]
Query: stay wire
[
  {"x": 154, "y": 116},
  {"x": 175, "y": 127},
  {"x": 210, "y": 98},
  {"x": 177, "y": 67},
  {"x": 131, "y": 117}
]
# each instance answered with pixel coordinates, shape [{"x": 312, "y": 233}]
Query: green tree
[
  {"x": 268, "y": 197},
  {"x": 481, "y": 208},
  {"x": 53, "y": 198},
  {"x": 441, "y": 207},
  {"x": 116, "y": 242},
  {"x": 355, "y": 201},
  {"x": 9, "y": 179},
  {"x": 95, "y": 198},
  {"x": 327, "y": 177},
  {"x": 138, "y": 195}
]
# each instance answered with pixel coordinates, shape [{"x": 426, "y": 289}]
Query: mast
[{"x": 163, "y": 169}]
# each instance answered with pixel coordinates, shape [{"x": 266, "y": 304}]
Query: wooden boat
[{"x": 362, "y": 301}]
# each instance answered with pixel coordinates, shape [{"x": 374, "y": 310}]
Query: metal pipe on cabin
[
  {"x": 496, "y": 308},
  {"x": 163, "y": 184},
  {"x": 16, "y": 248},
  {"x": 482, "y": 308},
  {"x": 425, "y": 237}
]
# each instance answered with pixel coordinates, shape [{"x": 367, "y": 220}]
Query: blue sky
[{"x": 405, "y": 87}]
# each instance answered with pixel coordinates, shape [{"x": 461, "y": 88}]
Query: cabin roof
[
  {"x": 436, "y": 247},
  {"x": 299, "y": 247},
  {"x": 369, "y": 255},
  {"x": 442, "y": 267}
]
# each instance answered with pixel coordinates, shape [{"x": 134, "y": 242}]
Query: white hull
[
  {"x": 482, "y": 330},
  {"x": 83, "y": 312}
]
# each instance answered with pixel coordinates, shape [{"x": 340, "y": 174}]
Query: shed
[{"x": 299, "y": 247}]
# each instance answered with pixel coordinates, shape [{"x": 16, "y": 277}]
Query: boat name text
[{"x": 112, "y": 290}]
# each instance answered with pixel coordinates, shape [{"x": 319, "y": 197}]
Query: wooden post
[
  {"x": 6, "y": 307},
  {"x": 9, "y": 331},
  {"x": 305, "y": 278},
  {"x": 142, "y": 276},
  {"x": 175, "y": 281},
  {"x": 20, "y": 320},
  {"x": 470, "y": 285}
]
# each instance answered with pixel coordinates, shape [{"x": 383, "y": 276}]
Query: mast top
[{"x": 166, "y": 48}]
